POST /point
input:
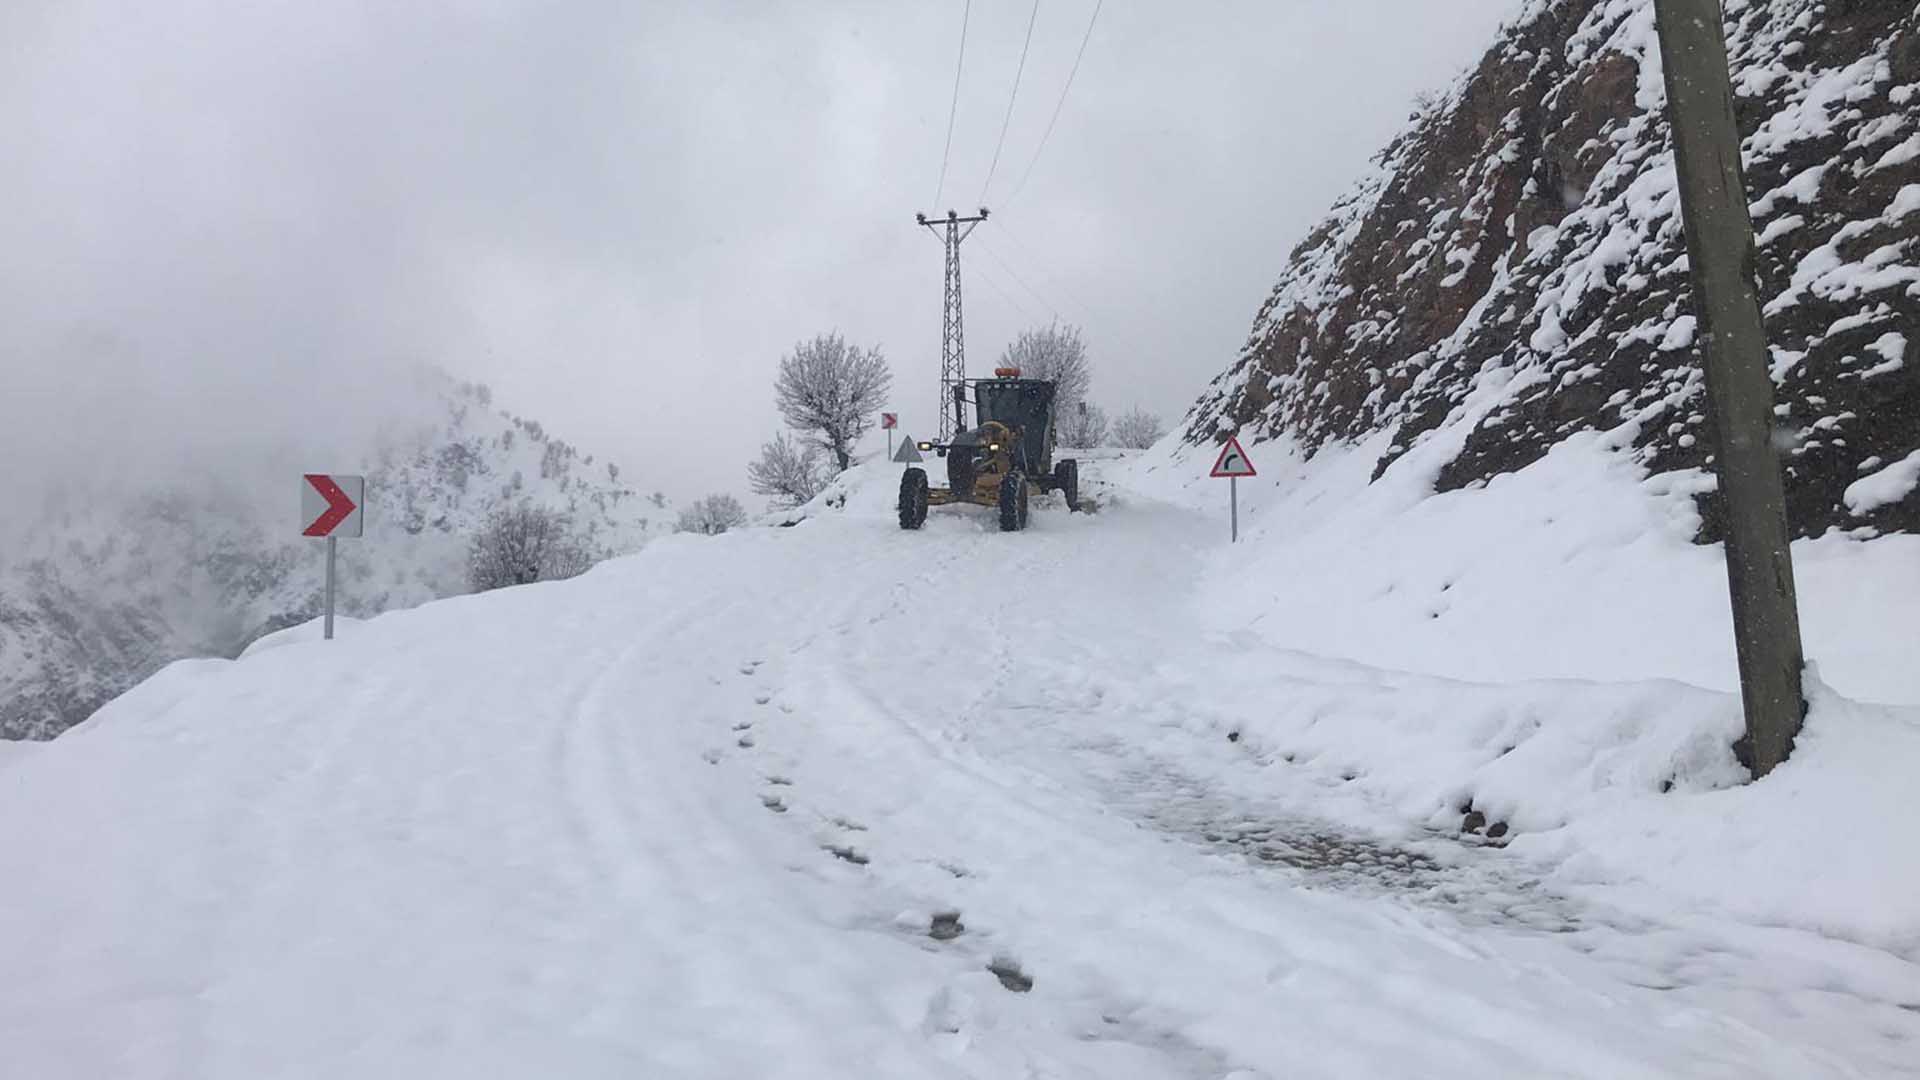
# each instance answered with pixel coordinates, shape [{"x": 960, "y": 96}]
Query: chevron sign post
[{"x": 330, "y": 507}]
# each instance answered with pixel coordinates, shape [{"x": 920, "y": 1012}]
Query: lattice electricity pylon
[{"x": 953, "y": 338}]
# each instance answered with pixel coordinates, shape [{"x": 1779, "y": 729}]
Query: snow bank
[
  {"x": 311, "y": 630},
  {"x": 1627, "y": 787},
  {"x": 693, "y": 813},
  {"x": 14, "y": 751},
  {"x": 1580, "y": 566},
  {"x": 1824, "y": 843}
]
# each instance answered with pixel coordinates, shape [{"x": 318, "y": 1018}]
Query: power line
[
  {"x": 1045, "y": 273},
  {"x": 1101, "y": 313},
  {"x": 1011, "y": 98},
  {"x": 954, "y": 109},
  {"x": 1015, "y": 275},
  {"x": 1058, "y": 104},
  {"x": 1004, "y": 294}
]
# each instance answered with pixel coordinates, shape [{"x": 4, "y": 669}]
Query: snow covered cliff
[{"x": 1514, "y": 272}]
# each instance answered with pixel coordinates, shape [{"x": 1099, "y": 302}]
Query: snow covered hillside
[
  {"x": 1514, "y": 273},
  {"x": 840, "y": 800},
  {"x": 1580, "y": 565},
  {"x": 110, "y": 587}
]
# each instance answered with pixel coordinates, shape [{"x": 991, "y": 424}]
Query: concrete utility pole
[
  {"x": 953, "y": 344},
  {"x": 1720, "y": 250}
]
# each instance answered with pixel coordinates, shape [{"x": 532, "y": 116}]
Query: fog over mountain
[{"x": 223, "y": 230}]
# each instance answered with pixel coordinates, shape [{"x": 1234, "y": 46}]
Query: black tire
[
  {"x": 1066, "y": 477},
  {"x": 961, "y": 472},
  {"x": 1013, "y": 502},
  {"x": 913, "y": 498}
]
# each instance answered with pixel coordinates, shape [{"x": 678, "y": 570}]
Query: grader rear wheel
[{"x": 1066, "y": 477}]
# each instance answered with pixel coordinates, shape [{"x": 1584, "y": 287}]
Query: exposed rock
[{"x": 1515, "y": 270}]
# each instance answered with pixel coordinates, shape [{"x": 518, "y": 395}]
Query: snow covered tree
[
  {"x": 1137, "y": 429},
  {"x": 713, "y": 515},
  {"x": 523, "y": 543},
  {"x": 1083, "y": 426},
  {"x": 829, "y": 390},
  {"x": 787, "y": 470},
  {"x": 1053, "y": 352}
]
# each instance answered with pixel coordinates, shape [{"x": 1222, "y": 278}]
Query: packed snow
[{"x": 1109, "y": 798}]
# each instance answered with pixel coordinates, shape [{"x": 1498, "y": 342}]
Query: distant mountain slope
[
  {"x": 107, "y": 592},
  {"x": 1514, "y": 270}
]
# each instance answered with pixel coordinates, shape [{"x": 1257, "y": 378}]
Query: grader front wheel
[
  {"x": 913, "y": 498},
  {"x": 1013, "y": 502},
  {"x": 961, "y": 472}
]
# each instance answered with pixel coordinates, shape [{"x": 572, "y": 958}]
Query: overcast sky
[{"x": 228, "y": 227}]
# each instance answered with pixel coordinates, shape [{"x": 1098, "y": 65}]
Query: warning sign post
[{"x": 1233, "y": 463}]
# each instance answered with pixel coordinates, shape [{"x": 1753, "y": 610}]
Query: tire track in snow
[{"x": 1022, "y": 739}]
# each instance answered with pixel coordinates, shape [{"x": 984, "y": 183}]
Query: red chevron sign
[{"x": 330, "y": 504}]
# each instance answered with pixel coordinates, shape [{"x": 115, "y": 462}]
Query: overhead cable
[
  {"x": 1011, "y": 98},
  {"x": 1088, "y": 36},
  {"x": 954, "y": 109}
]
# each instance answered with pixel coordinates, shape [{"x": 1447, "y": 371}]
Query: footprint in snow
[
  {"x": 779, "y": 781},
  {"x": 762, "y": 699},
  {"x": 774, "y": 803},
  {"x": 1007, "y": 970},
  {"x": 946, "y": 926},
  {"x": 743, "y": 725},
  {"x": 745, "y": 742},
  {"x": 848, "y": 853}
]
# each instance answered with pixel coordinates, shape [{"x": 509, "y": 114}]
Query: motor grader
[{"x": 1001, "y": 460}]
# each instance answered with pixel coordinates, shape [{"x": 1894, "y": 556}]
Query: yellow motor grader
[{"x": 1001, "y": 460}]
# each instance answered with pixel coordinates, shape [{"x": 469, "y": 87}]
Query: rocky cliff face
[
  {"x": 1514, "y": 268},
  {"x": 107, "y": 591}
]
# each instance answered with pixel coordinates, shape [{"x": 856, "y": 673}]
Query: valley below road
[{"x": 839, "y": 800}]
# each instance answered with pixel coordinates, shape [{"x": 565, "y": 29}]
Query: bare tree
[
  {"x": 523, "y": 543},
  {"x": 1137, "y": 429},
  {"x": 713, "y": 515},
  {"x": 829, "y": 390},
  {"x": 787, "y": 470},
  {"x": 1083, "y": 426},
  {"x": 1053, "y": 352}
]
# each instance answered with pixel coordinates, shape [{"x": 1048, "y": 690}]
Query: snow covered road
[{"x": 839, "y": 801}]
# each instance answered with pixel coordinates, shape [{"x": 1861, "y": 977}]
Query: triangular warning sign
[
  {"x": 909, "y": 451},
  {"x": 1233, "y": 461}
]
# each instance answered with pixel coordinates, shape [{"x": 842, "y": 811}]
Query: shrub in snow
[
  {"x": 522, "y": 544},
  {"x": 788, "y": 471},
  {"x": 1137, "y": 429},
  {"x": 713, "y": 515},
  {"x": 829, "y": 390}
]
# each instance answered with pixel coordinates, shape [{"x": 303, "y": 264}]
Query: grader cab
[{"x": 1001, "y": 460}]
